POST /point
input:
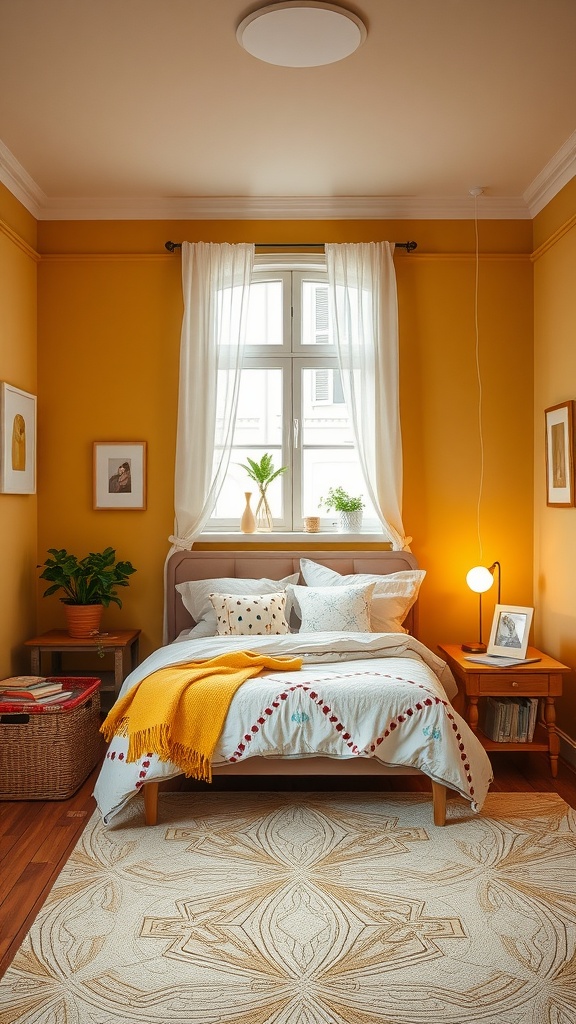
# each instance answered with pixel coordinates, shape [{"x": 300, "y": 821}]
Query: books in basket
[
  {"x": 509, "y": 719},
  {"x": 37, "y": 689},
  {"x": 21, "y": 682}
]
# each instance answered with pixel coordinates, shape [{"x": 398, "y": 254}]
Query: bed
[{"x": 369, "y": 699}]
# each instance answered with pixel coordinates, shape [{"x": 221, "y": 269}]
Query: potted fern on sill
[{"x": 349, "y": 509}]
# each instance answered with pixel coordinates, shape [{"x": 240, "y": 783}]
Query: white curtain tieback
[{"x": 178, "y": 542}]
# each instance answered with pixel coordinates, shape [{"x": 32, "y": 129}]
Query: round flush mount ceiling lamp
[{"x": 301, "y": 34}]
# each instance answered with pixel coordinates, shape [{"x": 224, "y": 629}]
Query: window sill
[{"x": 325, "y": 538}]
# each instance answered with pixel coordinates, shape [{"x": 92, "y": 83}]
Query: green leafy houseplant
[
  {"x": 339, "y": 500},
  {"x": 90, "y": 580},
  {"x": 263, "y": 473}
]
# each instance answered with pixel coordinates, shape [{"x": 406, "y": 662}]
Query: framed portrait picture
[
  {"x": 120, "y": 474},
  {"x": 560, "y": 455},
  {"x": 510, "y": 630},
  {"x": 18, "y": 440}
]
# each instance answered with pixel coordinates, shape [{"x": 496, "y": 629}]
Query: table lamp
[{"x": 480, "y": 579}]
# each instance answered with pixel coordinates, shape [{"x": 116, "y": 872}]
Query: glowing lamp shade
[{"x": 479, "y": 579}]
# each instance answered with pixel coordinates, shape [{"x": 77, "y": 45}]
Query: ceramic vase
[
  {"x": 350, "y": 522},
  {"x": 248, "y": 521}
]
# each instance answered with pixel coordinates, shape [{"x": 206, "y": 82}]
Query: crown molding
[
  {"x": 20, "y": 184},
  {"x": 560, "y": 169},
  {"x": 287, "y": 208},
  {"x": 557, "y": 173}
]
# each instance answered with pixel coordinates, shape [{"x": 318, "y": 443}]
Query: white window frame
[{"x": 292, "y": 356}]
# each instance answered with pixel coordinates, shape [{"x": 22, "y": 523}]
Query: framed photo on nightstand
[{"x": 510, "y": 630}]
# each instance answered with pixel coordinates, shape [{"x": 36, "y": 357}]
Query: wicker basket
[{"x": 47, "y": 752}]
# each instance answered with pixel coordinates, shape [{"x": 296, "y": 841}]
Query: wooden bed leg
[
  {"x": 150, "y": 791},
  {"x": 439, "y": 803}
]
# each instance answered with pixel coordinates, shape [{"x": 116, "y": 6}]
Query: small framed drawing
[
  {"x": 560, "y": 455},
  {"x": 120, "y": 474},
  {"x": 510, "y": 630},
  {"x": 18, "y": 440}
]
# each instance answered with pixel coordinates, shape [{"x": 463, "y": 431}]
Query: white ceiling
[{"x": 150, "y": 108}]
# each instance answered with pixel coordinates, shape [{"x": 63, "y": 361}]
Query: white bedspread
[{"x": 378, "y": 695}]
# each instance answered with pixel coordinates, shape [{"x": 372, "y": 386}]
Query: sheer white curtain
[
  {"x": 364, "y": 306},
  {"x": 215, "y": 285}
]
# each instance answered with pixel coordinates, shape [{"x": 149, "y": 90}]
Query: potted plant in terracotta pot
[
  {"x": 348, "y": 507},
  {"x": 89, "y": 586}
]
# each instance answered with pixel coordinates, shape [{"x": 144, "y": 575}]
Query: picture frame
[
  {"x": 17, "y": 440},
  {"x": 510, "y": 631},
  {"x": 560, "y": 455},
  {"x": 119, "y": 475}
]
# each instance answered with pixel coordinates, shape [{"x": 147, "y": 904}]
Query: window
[{"x": 291, "y": 404}]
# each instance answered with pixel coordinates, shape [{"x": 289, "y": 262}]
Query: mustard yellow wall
[
  {"x": 18, "y": 524},
  {"x": 555, "y": 382},
  {"x": 110, "y": 310}
]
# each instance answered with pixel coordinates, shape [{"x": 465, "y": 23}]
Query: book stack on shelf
[
  {"x": 509, "y": 719},
  {"x": 31, "y": 689}
]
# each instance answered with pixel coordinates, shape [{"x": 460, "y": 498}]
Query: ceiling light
[{"x": 301, "y": 34}]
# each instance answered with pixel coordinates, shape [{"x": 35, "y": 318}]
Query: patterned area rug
[{"x": 319, "y": 908}]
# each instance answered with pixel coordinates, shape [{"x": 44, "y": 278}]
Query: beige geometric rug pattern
[{"x": 319, "y": 908}]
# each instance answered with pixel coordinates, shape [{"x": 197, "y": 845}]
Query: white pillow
[
  {"x": 345, "y": 609},
  {"x": 195, "y": 594},
  {"x": 393, "y": 595},
  {"x": 198, "y": 632},
  {"x": 250, "y": 614}
]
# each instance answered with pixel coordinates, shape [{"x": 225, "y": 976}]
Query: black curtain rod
[{"x": 409, "y": 246}]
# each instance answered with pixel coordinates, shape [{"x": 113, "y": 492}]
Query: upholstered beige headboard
[{"x": 250, "y": 564}]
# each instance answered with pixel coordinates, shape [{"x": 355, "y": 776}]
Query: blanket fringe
[{"x": 156, "y": 739}]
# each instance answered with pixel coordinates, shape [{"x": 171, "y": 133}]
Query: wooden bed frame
[{"x": 247, "y": 564}]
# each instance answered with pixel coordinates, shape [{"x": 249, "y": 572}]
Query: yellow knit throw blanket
[{"x": 178, "y": 712}]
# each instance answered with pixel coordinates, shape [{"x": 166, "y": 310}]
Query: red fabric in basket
[{"x": 83, "y": 687}]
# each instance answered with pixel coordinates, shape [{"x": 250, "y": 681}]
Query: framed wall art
[
  {"x": 119, "y": 474},
  {"x": 510, "y": 630},
  {"x": 560, "y": 455},
  {"x": 17, "y": 440}
]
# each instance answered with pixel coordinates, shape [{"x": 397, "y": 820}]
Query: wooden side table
[
  {"x": 541, "y": 678},
  {"x": 57, "y": 642}
]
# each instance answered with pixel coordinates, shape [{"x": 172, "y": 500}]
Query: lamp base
[{"x": 474, "y": 647}]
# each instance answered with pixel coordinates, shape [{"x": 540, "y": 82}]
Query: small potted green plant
[
  {"x": 89, "y": 585},
  {"x": 348, "y": 507},
  {"x": 263, "y": 473}
]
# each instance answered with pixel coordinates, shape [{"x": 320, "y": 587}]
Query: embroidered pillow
[
  {"x": 195, "y": 595},
  {"x": 342, "y": 609},
  {"x": 393, "y": 597},
  {"x": 250, "y": 614}
]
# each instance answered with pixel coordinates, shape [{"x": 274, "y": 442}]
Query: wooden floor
[{"x": 36, "y": 838}]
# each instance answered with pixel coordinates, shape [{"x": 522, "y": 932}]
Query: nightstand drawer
[{"x": 509, "y": 685}]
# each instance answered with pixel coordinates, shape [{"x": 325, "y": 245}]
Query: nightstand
[
  {"x": 541, "y": 678},
  {"x": 57, "y": 642}
]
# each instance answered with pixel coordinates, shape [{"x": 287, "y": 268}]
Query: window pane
[
  {"x": 259, "y": 418},
  {"x": 258, "y": 430},
  {"x": 315, "y": 317},
  {"x": 265, "y": 313},
  {"x": 325, "y": 468},
  {"x": 324, "y": 415}
]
